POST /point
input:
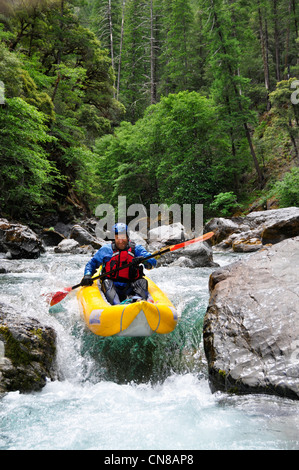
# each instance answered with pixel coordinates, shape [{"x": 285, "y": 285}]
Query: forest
[{"x": 161, "y": 101}]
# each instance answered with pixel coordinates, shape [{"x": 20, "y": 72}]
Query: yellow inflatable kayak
[{"x": 141, "y": 318}]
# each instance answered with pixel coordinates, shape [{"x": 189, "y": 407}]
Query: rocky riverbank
[
  {"x": 252, "y": 232},
  {"x": 19, "y": 241}
]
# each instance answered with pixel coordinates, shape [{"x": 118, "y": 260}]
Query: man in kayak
[{"x": 127, "y": 282}]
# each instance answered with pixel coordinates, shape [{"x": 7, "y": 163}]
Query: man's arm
[
  {"x": 141, "y": 251},
  {"x": 101, "y": 256}
]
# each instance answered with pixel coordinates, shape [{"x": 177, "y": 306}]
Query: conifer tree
[
  {"x": 228, "y": 85},
  {"x": 135, "y": 76},
  {"x": 175, "y": 58}
]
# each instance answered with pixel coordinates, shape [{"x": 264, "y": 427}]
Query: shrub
[
  {"x": 224, "y": 203},
  {"x": 287, "y": 190}
]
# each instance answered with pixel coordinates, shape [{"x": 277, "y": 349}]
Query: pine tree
[
  {"x": 228, "y": 85},
  {"x": 175, "y": 57},
  {"x": 135, "y": 75}
]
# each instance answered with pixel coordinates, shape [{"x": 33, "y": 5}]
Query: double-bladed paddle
[{"x": 60, "y": 295}]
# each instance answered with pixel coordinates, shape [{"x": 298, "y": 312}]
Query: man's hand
[
  {"x": 87, "y": 281},
  {"x": 138, "y": 260},
  {"x": 147, "y": 265}
]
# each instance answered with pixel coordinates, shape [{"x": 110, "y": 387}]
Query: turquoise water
[{"x": 132, "y": 394}]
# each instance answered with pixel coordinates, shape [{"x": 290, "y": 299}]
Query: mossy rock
[{"x": 27, "y": 352}]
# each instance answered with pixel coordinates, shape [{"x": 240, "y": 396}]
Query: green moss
[
  {"x": 37, "y": 332},
  {"x": 13, "y": 350}
]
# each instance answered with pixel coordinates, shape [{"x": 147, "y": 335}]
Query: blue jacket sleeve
[
  {"x": 141, "y": 251},
  {"x": 101, "y": 257}
]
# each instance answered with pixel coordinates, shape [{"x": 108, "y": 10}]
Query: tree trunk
[
  {"x": 59, "y": 52},
  {"x": 153, "y": 61},
  {"x": 276, "y": 40},
  {"x": 264, "y": 56},
  {"x": 120, "y": 48},
  {"x": 111, "y": 39},
  {"x": 286, "y": 60},
  {"x": 295, "y": 18}
]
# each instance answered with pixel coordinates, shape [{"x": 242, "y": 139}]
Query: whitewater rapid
[{"x": 122, "y": 394}]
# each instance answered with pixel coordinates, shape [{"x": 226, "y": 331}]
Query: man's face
[{"x": 121, "y": 241}]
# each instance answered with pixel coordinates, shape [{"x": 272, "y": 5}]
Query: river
[{"x": 132, "y": 394}]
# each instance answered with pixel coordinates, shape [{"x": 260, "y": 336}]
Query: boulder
[
  {"x": 27, "y": 352},
  {"x": 51, "y": 237},
  {"x": 167, "y": 234},
  {"x": 19, "y": 241},
  {"x": 183, "y": 262},
  {"x": 84, "y": 237},
  {"x": 251, "y": 327},
  {"x": 137, "y": 238},
  {"x": 67, "y": 246},
  {"x": 63, "y": 229},
  {"x": 252, "y": 232},
  {"x": 192, "y": 256},
  {"x": 246, "y": 244},
  {"x": 223, "y": 228},
  {"x": 200, "y": 255}
]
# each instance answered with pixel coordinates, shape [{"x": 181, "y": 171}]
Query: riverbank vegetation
[{"x": 173, "y": 101}]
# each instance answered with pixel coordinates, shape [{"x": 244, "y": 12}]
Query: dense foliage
[{"x": 173, "y": 101}]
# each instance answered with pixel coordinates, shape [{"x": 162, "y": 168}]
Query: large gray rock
[
  {"x": 67, "y": 246},
  {"x": 250, "y": 233},
  {"x": 251, "y": 327},
  {"x": 27, "y": 352},
  {"x": 19, "y": 241},
  {"x": 84, "y": 237},
  {"x": 167, "y": 234}
]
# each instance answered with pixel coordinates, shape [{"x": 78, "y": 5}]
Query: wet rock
[
  {"x": 27, "y": 352},
  {"x": 193, "y": 256},
  {"x": 19, "y": 241},
  {"x": 250, "y": 233},
  {"x": 51, "y": 237},
  {"x": 84, "y": 237},
  {"x": 246, "y": 244},
  {"x": 251, "y": 327},
  {"x": 138, "y": 239},
  {"x": 64, "y": 229},
  {"x": 183, "y": 262},
  {"x": 167, "y": 234},
  {"x": 67, "y": 246},
  {"x": 222, "y": 228}
]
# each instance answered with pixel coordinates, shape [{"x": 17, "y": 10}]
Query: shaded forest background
[{"x": 162, "y": 101}]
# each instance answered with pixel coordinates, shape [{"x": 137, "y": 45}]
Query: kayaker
[{"x": 128, "y": 282}]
